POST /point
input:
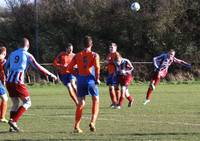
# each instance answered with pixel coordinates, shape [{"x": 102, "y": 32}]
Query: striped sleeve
[{"x": 37, "y": 66}]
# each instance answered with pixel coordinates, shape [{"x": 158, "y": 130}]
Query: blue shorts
[
  {"x": 111, "y": 80},
  {"x": 86, "y": 86},
  {"x": 2, "y": 89},
  {"x": 66, "y": 78}
]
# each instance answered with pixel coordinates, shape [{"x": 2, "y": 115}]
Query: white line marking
[{"x": 116, "y": 120}]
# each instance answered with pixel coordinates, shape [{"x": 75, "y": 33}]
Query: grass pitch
[{"x": 172, "y": 115}]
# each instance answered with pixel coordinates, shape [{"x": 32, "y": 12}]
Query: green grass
[{"x": 172, "y": 115}]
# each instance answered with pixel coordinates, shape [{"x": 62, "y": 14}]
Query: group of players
[{"x": 80, "y": 73}]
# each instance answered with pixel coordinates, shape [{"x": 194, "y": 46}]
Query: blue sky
[{"x": 2, "y": 3}]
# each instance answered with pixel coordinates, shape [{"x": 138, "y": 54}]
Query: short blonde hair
[{"x": 2, "y": 49}]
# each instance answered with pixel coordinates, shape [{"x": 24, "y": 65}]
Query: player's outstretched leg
[
  {"x": 151, "y": 88},
  {"x": 72, "y": 93}
]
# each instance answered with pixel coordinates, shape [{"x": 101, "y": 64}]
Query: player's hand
[
  {"x": 189, "y": 66},
  {"x": 123, "y": 72},
  {"x": 98, "y": 82},
  {"x": 156, "y": 70},
  {"x": 53, "y": 76}
]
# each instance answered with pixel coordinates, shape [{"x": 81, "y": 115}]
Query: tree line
[{"x": 157, "y": 27}]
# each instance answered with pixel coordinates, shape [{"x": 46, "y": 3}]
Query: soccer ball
[{"x": 135, "y": 6}]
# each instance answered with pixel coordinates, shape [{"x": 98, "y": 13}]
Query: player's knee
[
  {"x": 27, "y": 104},
  {"x": 116, "y": 88},
  {"x": 69, "y": 86},
  {"x": 4, "y": 97},
  {"x": 95, "y": 99},
  {"x": 81, "y": 104}
]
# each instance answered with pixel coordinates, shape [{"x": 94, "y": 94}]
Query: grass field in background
[{"x": 172, "y": 115}]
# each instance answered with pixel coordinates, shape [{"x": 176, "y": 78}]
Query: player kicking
[
  {"x": 161, "y": 64},
  {"x": 86, "y": 60},
  {"x": 61, "y": 62},
  {"x": 3, "y": 95},
  {"x": 124, "y": 70},
  {"x": 111, "y": 78},
  {"x": 16, "y": 66}
]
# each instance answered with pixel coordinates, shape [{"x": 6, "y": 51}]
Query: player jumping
[{"x": 161, "y": 64}]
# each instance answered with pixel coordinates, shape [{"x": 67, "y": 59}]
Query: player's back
[
  {"x": 16, "y": 66},
  {"x": 85, "y": 62},
  {"x": 18, "y": 60}
]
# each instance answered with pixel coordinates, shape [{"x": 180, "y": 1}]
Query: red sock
[
  {"x": 12, "y": 114},
  {"x": 121, "y": 101},
  {"x": 129, "y": 98},
  {"x": 149, "y": 93},
  {"x": 117, "y": 92},
  {"x": 20, "y": 112}
]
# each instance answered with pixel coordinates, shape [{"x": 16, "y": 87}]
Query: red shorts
[
  {"x": 160, "y": 74},
  {"x": 125, "y": 80},
  {"x": 17, "y": 90},
  {"x": 163, "y": 73}
]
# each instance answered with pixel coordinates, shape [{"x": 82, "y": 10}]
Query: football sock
[
  {"x": 149, "y": 93},
  {"x": 12, "y": 114},
  {"x": 121, "y": 100},
  {"x": 20, "y": 112},
  {"x": 129, "y": 98}
]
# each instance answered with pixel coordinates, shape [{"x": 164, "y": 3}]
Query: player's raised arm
[
  {"x": 37, "y": 66},
  {"x": 179, "y": 61}
]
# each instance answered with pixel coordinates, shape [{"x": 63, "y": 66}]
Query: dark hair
[
  {"x": 171, "y": 50},
  {"x": 87, "y": 40},
  {"x": 69, "y": 45}
]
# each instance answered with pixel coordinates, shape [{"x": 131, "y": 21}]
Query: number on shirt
[
  {"x": 85, "y": 62},
  {"x": 16, "y": 59}
]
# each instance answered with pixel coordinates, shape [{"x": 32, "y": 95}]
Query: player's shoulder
[
  {"x": 125, "y": 60},
  {"x": 94, "y": 54}
]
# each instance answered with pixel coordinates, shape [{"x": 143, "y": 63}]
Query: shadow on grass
[{"x": 155, "y": 134}]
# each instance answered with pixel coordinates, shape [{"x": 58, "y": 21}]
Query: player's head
[
  {"x": 69, "y": 48},
  {"x": 24, "y": 43},
  {"x": 118, "y": 58},
  {"x": 171, "y": 53},
  {"x": 88, "y": 41},
  {"x": 112, "y": 47},
  {"x": 2, "y": 52}
]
